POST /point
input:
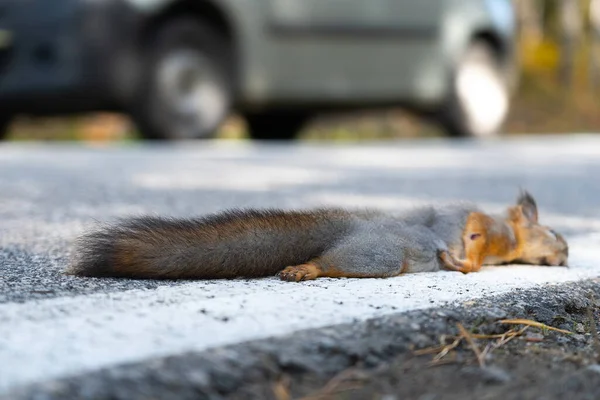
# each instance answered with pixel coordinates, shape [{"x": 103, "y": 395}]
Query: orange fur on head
[{"x": 516, "y": 238}]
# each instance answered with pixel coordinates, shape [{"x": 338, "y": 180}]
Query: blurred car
[{"x": 180, "y": 67}]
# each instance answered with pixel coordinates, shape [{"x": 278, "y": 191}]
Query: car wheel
[
  {"x": 276, "y": 125},
  {"x": 479, "y": 98},
  {"x": 186, "y": 91}
]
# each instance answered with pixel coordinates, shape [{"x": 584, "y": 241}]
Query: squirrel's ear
[{"x": 528, "y": 206}]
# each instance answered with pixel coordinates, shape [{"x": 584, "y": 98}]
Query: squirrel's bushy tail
[{"x": 232, "y": 244}]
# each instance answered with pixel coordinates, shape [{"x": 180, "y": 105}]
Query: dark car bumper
[{"x": 65, "y": 55}]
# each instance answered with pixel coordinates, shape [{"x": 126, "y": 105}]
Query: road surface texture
[{"x": 69, "y": 337}]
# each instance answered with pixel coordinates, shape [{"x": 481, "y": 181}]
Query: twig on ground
[
  {"x": 443, "y": 361},
  {"x": 281, "y": 388},
  {"x": 444, "y": 348},
  {"x": 472, "y": 343},
  {"x": 487, "y": 350},
  {"x": 510, "y": 335},
  {"x": 502, "y": 340},
  {"x": 494, "y": 336}
]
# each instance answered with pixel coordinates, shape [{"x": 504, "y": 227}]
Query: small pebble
[
  {"x": 594, "y": 368},
  {"x": 534, "y": 337},
  {"x": 579, "y": 338}
]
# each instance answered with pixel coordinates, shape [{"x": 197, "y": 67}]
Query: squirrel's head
[{"x": 537, "y": 244}]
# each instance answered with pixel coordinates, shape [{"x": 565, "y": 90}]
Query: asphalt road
[{"x": 53, "y": 326}]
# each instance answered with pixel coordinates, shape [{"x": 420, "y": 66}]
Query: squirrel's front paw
[
  {"x": 302, "y": 272},
  {"x": 453, "y": 264}
]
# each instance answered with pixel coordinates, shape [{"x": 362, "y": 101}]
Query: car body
[{"x": 283, "y": 57}]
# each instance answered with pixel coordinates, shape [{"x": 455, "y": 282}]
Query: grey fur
[
  {"x": 254, "y": 243},
  {"x": 446, "y": 223},
  {"x": 383, "y": 248},
  {"x": 226, "y": 245}
]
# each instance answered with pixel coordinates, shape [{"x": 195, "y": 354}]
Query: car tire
[
  {"x": 479, "y": 96},
  {"x": 186, "y": 89},
  {"x": 276, "y": 125}
]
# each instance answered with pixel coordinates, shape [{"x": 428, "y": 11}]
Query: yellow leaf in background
[{"x": 541, "y": 56}]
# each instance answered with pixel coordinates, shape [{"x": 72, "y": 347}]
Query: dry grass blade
[
  {"x": 535, "y": 324},
  {"x": 447, "y": 349},
  {"x": 339, "y": 383},
  {"x": 473, "y": 335},
  {"x": 471, "y": 341},
  {"x": 439, "y": 351},
  {"x": 502, "y": 340},
  {"x": 488, "y": 350},
  {"x": 512, "y": 336},
  {"x": 281, "y": 389},
  {"x": 436, "y": 362},
  {"x": 429, "y": 350},
  {"x": 494, "y": 336}
]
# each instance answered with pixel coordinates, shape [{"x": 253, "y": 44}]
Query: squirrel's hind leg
[
  {"x": 303, "y": 272},
  {"x": 312, "y": 270}
]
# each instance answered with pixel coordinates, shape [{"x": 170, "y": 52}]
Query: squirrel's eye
[{"x": 474, "y": 236}]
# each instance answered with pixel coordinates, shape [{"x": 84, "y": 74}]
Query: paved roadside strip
[
  {"x": 49, "y": 339},
  {"x": 249, "y": 370}
]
